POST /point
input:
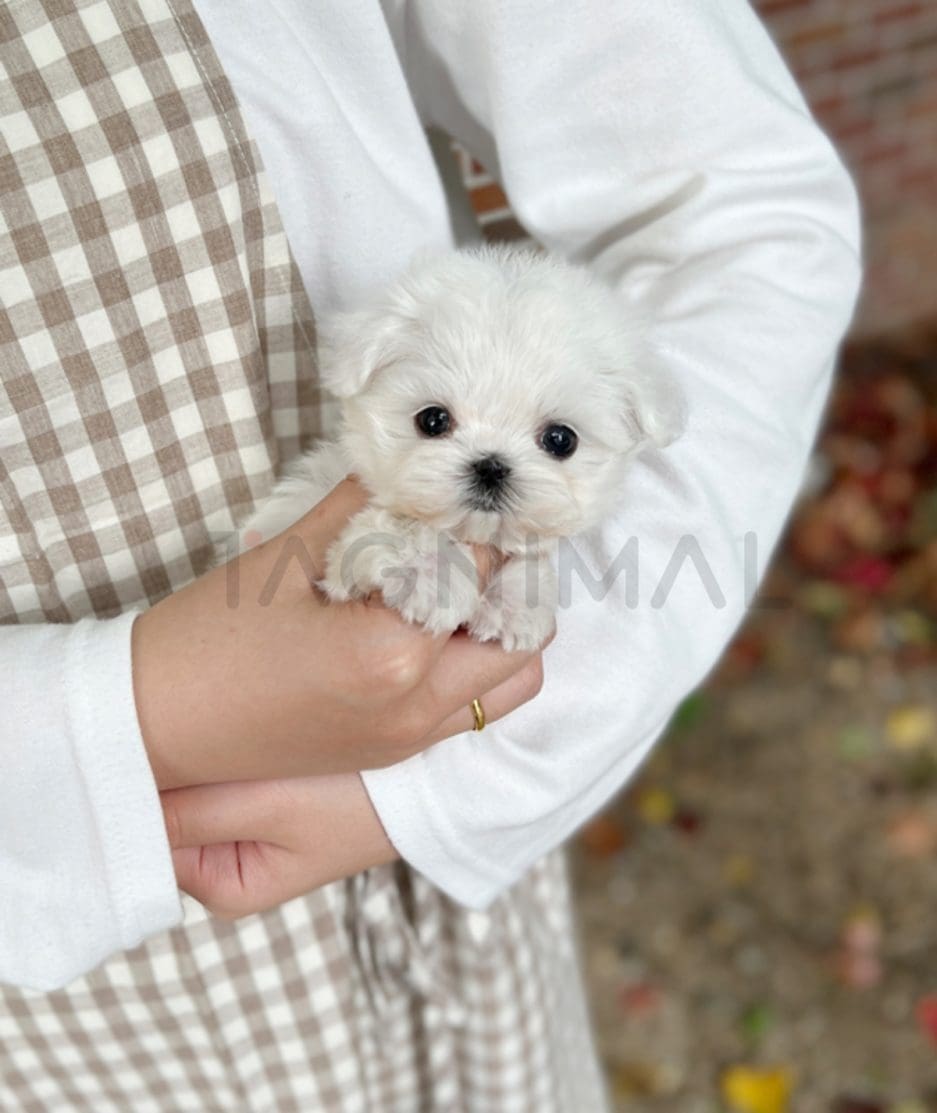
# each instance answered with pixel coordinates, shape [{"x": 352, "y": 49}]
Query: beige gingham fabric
[
  {"x": 156, "y": 366},
  {"x": 156, "y": 345}
]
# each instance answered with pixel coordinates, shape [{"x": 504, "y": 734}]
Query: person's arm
[
  {"x": 85, "y": 868},
  {"x": 198, "y": 689},
  {"x": 666, "y": 145}
]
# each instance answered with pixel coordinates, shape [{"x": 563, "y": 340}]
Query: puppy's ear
[
  {"x": 354, "y": 344},
  {"x": 655, "y": 407}
]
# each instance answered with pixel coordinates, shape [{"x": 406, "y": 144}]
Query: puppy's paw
[
  {"x": 516, "y": 628},
  {"x": 332, "y": 585},
  {"x": 429, "y": 579},
  {"x": 437, "y": 590},
  {"x": 519, "y": 607}
]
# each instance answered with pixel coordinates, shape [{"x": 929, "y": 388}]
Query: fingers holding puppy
[
  {"x": 507, "y": 696},
  {"x": 431, "y": 677},
  {"x": 439, "y": 706}
]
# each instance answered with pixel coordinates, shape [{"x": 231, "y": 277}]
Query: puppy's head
[{"x": 495, "y": 393}]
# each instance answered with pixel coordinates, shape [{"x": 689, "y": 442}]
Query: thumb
[
  {"x": 318, "y": 527},
  {"x": 321, "y": 525}
]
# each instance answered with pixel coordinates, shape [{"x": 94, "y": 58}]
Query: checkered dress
[{"x": 156, "y": 365}]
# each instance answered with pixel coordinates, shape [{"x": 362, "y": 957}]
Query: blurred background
[{"x": 759, "y": 910}]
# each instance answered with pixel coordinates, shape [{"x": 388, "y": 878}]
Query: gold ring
[{"x": 478, "y": 714}]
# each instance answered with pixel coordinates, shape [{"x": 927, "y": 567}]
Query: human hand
[
  {"x": 285, "y": 684},
  {"x": 247, "y": 846}
]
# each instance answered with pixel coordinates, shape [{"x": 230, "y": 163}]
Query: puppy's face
[{"x": 493, "y": 394}]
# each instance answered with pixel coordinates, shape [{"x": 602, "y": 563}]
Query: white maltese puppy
[{"x": 493, "y": 396}]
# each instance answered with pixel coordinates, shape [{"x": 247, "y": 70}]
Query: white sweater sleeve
[
  {"x": 666, "y": 145},
  {"x": 85, "y": 867}
]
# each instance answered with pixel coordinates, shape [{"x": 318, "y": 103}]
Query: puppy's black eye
[
  {"x": 433, "y": 421},
  {"x": 559, "y": 441}
]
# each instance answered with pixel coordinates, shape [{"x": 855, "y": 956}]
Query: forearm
[
  {"x": 241, "y": 848},
  {"x": 346, "y": 828}
]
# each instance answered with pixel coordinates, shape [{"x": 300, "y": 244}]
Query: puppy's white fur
[{"x": 508, "y": 341}]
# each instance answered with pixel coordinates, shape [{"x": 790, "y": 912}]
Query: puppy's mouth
[
  {"x": 488, "y": 486},
  {"x": 492, "y": 502}
]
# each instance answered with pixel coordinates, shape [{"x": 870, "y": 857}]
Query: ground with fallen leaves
[{"x": 759, "y": 910}]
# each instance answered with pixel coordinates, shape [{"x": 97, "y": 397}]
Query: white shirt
[{"x": 667, "y": 146}]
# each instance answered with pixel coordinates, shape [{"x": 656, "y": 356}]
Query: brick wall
[{"x": 868, "y": 69}]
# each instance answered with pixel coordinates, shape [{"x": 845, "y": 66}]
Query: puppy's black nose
[{"x": 490, "y": 472}]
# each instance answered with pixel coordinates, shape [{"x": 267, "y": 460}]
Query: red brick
[
  {"x": 854, "y": 58},
  {"x": 916, "y": 176},
  {"x": 901, "y": 12},
  {"x": 820, "y": 33},
  {"x": 923, "y": 106},
  {"x": 885, "y": 152},
  {"x": 854, "y": 129},
  {"x": 770, "y": 7},
  {"x": 503, "y": 230},
  {"x": 828, "y": 106},
  {"x": 487, "y": 198}
]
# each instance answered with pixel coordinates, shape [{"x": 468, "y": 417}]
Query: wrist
[{"x": 150, "y": 716}]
